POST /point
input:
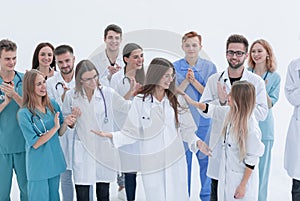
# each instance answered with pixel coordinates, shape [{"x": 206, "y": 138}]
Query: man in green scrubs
[{"x": 12, "y": 143}]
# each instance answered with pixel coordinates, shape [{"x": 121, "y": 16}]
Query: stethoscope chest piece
[{"x": 105, "y": 120}]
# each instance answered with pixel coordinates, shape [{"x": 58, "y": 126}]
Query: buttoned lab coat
[
  {"x": 292, "y": 147},
  {"x": 231, "y": 169},
  {"x": 102, "y": 62},
  {"x": 161, "y": 152},
  {"x": 95, "y": 159},
  {"x": 210, "y": 95},
  {"x": 66, "y": 141}
]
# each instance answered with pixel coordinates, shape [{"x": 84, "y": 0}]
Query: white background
[{"x": 81, "y": 24}]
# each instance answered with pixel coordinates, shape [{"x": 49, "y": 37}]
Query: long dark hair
[
  {"x": 157, "y": 68},
  {"x": 35, "y": 59},
  {"x": 127, "y": 50}
]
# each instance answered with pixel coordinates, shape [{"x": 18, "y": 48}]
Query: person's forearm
[
  {"x": 18, "y": 99},
  {"x": 3, "y": 105},
  {"x": 246, "y": 176},
  {"x": 45, "y": 138},
  {"x": 198, "y": 86},
  {"x": 183, "y": 85},
  {"x": 63, "y": 129}
]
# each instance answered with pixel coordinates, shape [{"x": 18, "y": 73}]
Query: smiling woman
[
  {"x": 44, "y": 60},
  {"x": 41, "y": 123}
]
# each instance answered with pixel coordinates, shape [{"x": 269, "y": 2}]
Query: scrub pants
[
  {"x": 203, "y": 163},
  {"x": 67, "y": 185},
  {"x": 83, "y": 192},
  {"x": 264, "y": 170},
  {"x": 130, "y": 186},
  {"x": 44, "y": 190},
  {"x": 296, "y": 190},
  {"x": 8, "y": 162}
]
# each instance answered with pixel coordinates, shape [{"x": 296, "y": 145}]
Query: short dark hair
[
  {"x": 7, "y": 45},
  {"x": 112, "y": 27},
  {"x": 236, "y": 38},
  {"x": 62, "y": 49}
]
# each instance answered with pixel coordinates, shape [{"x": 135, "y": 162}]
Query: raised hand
[{"x": 222, "y": 93}]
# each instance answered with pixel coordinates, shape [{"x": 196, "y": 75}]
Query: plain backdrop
[{"x": 81, "y": 24}]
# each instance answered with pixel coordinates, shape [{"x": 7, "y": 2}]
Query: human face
[
  {"x": 8, "y": 60},
  {"x": 259, "y": 54},
  {"x": 89, "y": 80},
  {"x": 167, "y": 79},
  {"x": 113, "y": 40},
  {"x": 135, "y": 60},
  {"x": 191, "y": 47},
  {"x": 235, "y": 61},
  {"x": 65, "y": 62},
  {"x": 40, "y": 86},
  {"x": 45, "y": 56}
]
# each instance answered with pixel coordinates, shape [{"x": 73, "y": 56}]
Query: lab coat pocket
[{"x": 78, "y": 151}]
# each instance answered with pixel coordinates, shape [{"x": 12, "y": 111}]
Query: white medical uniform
[
  {"x": 95, "y": 159},
  {"x": 160, "y": 156},
  {"x": 210, "y": 95},
  {"x": 66, "y": 141}
]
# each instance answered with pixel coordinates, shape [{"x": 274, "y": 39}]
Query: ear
[{"x": 126, "y": 59}]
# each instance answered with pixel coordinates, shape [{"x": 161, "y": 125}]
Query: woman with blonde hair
[
  {"x": 262, "y": 62},
  {"x": 41, "y": 122},
  {"x": 241, "y": 143}
]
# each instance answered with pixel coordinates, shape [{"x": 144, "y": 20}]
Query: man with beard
[
  {"x": 109, "y": 61},
  {"x": 216, "y": 92},
  {"x": 57, "y": 86}
]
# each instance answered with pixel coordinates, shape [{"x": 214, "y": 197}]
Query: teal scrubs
[
  {"x": 272, "y": 81},
  {"x": 47, "y": 162},
  {"x": 12, "y": 146}
]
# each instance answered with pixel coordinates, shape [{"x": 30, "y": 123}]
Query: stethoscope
[
  {"x": 147, "y": 117},
  {"x": 265, "y": 77},
  {"x": 39, "y": 132},
  {"x": 125, "y": 77},
  {"x": 59, "y": 84},
  {"x": 16, "y": 86},
  {"x": 105, "y": 106}
]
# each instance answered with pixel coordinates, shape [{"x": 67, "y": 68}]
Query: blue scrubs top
[
  {"x": 11, "y": 138},
  {"x": 202, "y": 71},
  {"x": 48, "y": 160},
  {"x": 273, "y": 89}
]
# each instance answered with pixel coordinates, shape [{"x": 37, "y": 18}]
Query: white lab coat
[
  {"x": 160, "y": 156},
  {"x": 292, "y": 148},
  {"x": 231, "y": 169},
  {"x": 210, "y": 95},
  {"x": 95, "y": 159},
  {"x": 102, "y": 62},
  {"x": 66, "y": 141}
]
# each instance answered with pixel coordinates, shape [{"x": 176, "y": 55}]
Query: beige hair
[{"x": 243, "y": 102}]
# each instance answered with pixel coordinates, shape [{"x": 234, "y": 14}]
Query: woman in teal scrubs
[{"x": 41, "y": 122}]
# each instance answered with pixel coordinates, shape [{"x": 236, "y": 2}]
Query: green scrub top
[
  {"x": 11, "y": 138},
  {"x": 48, "y": 160}
]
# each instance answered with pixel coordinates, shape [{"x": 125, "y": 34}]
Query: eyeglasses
[
  {"x": 237, "y": 53},
  {"x": 96, "y": 77},
  {"x": 168, "y": 76}
]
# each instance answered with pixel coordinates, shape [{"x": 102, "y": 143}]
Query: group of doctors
[{"x": 83, "y": 99}]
